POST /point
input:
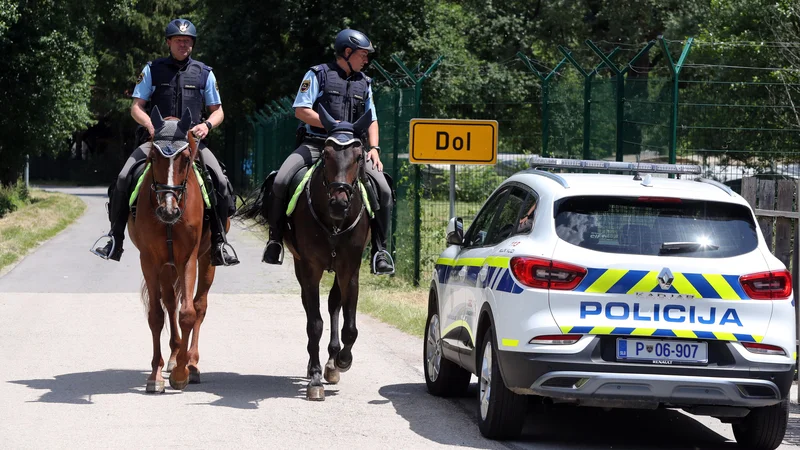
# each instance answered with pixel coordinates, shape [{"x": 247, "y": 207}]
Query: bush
[{"x": 13, "y": 197}]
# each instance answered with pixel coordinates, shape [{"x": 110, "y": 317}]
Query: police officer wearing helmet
[
  {"x": 174, "y": 84},
  {"x": 345, "y": 92}
]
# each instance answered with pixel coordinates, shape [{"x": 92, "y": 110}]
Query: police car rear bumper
[{"x": 591, "y": 378}]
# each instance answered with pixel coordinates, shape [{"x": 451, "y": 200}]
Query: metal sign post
[{"x": 452, "y": 190}]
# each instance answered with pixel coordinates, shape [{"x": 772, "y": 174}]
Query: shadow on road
[
  {"x": 234, "y": 390},
  {"x": 557, "y": 426}
]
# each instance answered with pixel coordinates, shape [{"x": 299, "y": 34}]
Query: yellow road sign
[{"x": 453, "y": 141}]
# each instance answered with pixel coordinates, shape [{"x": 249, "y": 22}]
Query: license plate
[{"x": 662, "y": 352}]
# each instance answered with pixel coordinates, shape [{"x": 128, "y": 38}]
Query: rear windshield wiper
[{"x": 686, "y": 247}]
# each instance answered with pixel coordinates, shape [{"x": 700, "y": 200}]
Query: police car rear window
[{"x": 656, "y": 226}]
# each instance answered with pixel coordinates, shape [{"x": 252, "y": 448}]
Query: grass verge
[{"x": 42, "y": 216}]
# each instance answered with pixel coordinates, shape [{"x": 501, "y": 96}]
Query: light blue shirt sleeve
[
  {"x": 144, "y": 85},
  {"x": 371, "y": 104},
  {"x": 308, "y": 92},
  {"x": 211, "y": 91}
]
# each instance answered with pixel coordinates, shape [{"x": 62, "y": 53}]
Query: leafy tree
[{"x": 45, "y": 79}]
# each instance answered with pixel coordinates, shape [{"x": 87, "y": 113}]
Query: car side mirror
[{"x": 455, "y": 231}]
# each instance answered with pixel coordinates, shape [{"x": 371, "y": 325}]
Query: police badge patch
[
  {"x": 216, "y": 86},
  {"x": 306, "y": 84},
  {"x": 141, "y": 77}
]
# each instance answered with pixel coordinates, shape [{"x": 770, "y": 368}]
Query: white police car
[{"x": 627, "y": 291}]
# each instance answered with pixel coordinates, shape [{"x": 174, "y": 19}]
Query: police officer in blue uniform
[
  {"x": 173, "y": 84},
  {"x": 345, "y": 92}
]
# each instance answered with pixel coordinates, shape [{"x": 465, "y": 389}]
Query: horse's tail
[
  {"x": 145, "y": 297},
  {"x": 256, "y": 205}
]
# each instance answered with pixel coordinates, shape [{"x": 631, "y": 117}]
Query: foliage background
[{"x": 69, "y": 66}]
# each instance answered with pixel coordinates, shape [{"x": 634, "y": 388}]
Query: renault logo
[{"x": 665, "y": 278}]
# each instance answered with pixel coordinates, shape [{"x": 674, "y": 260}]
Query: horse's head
[
  {"x": 173, "y": 152},
  {"x": 342, "y": 161}
]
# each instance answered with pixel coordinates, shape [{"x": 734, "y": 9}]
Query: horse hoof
[
  {"x": 343, "y": 368},
  {"x": 171, "y": 365},
  {"x": 154, "y": 386},
  {"x": 315, "y": 393},
  {"x": 178, "y": 385},
  {"x": 194, "y": 374},
  {"x": 331, "y": 375}
]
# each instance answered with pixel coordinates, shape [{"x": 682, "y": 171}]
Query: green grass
[{"x": 38, "y": 219}]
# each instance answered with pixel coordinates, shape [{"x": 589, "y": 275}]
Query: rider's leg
[
  {"x": 382, "y": 263},
  {"x": 304, "y": 155},
  {"x": 118, "y": 209},
  {"x": 220, "y": 256}
]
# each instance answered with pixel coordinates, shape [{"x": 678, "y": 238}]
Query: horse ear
[
  {"x": 186, "y": 120},
  {"x": 362, "y": 124},
  {"x": 156, "y": 119},
  {"x": 328, "y": 122}
]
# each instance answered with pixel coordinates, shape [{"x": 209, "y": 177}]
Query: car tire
[
  {"x": 443, "y": 377},
  {"x": 501, "y": 413},
  {"x": 764, "y": 428}
]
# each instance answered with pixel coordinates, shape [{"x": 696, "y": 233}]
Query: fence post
[
  {"x": 675, "y": 69},
  {"x": 620, "y": 75},
  {"x": 587, "y": 96},
  {"x": 545, "y": 79},
  {"x": 417, "y": 171}
]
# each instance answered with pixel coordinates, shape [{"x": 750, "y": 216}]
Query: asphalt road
[{"x": 75, "y": 354}]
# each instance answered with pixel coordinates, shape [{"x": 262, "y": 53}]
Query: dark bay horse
[
  {"x": 328, "y": 230},
  {"x": 174, "y": 245}
]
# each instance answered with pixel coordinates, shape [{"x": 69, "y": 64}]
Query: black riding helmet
[
  {"x": 181, "y": 27},
  {"x": 353, "y": 39}
]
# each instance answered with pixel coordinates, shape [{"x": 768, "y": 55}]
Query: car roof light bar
[
  {"x": 588, "y": 164},
  {"x": 553, "y": 176}
]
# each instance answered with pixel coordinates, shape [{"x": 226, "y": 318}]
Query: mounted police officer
[
  {"x": 174, "y": 84},
  {"x": 345, "y": 92}
]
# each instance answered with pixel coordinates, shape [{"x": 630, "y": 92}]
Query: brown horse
[
  {"x": 328, "y": 230},
  {"x": 174, "y": 245}
]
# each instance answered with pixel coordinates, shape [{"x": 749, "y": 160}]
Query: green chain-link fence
[{"x": 662, "y": 101}]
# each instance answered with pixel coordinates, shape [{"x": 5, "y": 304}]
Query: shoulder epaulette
[{"x": 317, "y": 68}]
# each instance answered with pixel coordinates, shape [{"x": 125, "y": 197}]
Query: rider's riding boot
[
  {"x": 273, "y": 253},
  {"x": 382, "y": 263},
  {"x": 112, "y": 249},
  {"x": 118, "y": 214},
  {"x": 220, "y": 256}
]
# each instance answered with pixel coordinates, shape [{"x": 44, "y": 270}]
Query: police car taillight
[
  {"x": 763, "y": 349},
  {"x": 546, "y": 274},
  {"x": 767, "y": 285},
  {"x": 556, "y": 339}
]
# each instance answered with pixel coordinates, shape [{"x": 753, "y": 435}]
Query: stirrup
[
  {"x": 375, "y": 261},
  {"x": 93, "y": 249},
  {"x": 280, "y": 257},
  {"x": 223, "y": 247}
]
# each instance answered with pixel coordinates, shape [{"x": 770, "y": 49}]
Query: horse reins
[{"x": 178, "y": 191}]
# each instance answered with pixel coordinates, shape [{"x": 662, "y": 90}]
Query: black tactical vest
[
  {"x": 178, "y": 87},
  {"x": 344, "y": 99}
]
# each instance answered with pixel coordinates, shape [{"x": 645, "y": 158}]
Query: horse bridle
[
  {"x": 178, "y": 191},
  {"x": 162, "y": 190},
  {"x": 349, "y": 189}
]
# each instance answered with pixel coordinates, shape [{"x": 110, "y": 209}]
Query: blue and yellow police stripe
[
  {"x": 498, "y": 275},
  {"x": 600, "y": 281},
  {"x": 700, "y": 285},
  {"x": 660, "y": 332}
]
